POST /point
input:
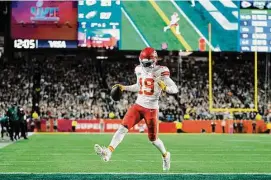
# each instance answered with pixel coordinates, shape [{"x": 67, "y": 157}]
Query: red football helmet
[{"x": 148, "y": 57}]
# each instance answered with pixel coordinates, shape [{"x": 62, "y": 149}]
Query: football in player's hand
[{"x": 116, "y": 93}]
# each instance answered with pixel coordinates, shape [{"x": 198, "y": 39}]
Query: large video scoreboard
[
  {"x": 255, "y": 26},
  {"x": 44, "y": 24},
  {"x": 99, "y": 23},
  {"x": 132, "y": 25}
]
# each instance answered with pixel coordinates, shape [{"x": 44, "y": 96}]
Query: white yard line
[
  {"x": 218, "y": 16},
  {"x": 135, "y": 173},
  {"x": 135, "y": 161},
  {"x": 228, "y": 3},
  {"x": 192, "y": 24},
  {"x": 5, "y": 144},
  {"x": 154, "y": 154},
  {"x": 134, "y": 26}
]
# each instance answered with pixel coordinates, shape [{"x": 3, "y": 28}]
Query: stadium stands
[
  {"x": 77, "y": 87},
  {"x": 16, "y": 84}
]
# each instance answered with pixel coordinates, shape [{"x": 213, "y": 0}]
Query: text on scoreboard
[
  {"x": 35, "y": 44},
  {"x": 133, "y": 25},
  {"x": 255, "y": 26},
  {"x": 99, "y": 23}
]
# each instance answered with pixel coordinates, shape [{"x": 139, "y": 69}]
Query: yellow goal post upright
[{"x": 210, "y": 82}]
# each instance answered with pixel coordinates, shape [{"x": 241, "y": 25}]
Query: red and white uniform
[
  {"x": 148, "y": 88},
  {"x": 146, "y": 106},
  {"x": 174, "y": 19},
  {"x": 174, "y": 23}
]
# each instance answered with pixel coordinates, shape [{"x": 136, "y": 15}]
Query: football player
[
  {"x": 174, "y": 23},
  {"x": 152, "y": 79},
  {"x": 192, "y": 3},
  {"x": 4, "y": 125}
]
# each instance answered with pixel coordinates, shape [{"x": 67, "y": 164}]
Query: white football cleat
[
  {"x": 166, "y": 162},
  {"x": 165, "y": 29},
  {"x": 103, "y": 152}
]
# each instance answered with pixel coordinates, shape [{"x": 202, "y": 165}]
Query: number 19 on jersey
[{"x": 146, "y": 86}]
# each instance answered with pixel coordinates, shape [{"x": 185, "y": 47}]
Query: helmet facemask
[
  {"x": 147, "y": 59},
  {"x": 147, "y": 64}
]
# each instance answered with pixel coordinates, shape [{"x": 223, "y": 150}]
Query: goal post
[{"x": 210, "y": 82}]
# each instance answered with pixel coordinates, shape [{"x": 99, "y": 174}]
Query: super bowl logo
[{"x": 41, "y": 13}]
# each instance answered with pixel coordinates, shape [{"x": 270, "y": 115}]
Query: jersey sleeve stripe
[{"x": 166, "y": 73}]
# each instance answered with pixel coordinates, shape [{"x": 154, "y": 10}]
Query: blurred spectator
[
  {"x": 268, "y": 127},
  {"x": 213, "y": 125},
  {"x": 254, "y": 126},
  {"x": 111, "y": 115},
  {"x": 223, "y": 125},
  {"x": 74, "y": 124},
  {"x": 55, "y": 125},
  {"x": 240, "y": 126},
  {"x": 235, "y": 126},
  {"x": 258, "y": 117}
]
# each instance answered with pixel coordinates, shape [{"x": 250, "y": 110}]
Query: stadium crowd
[
  {"x": 78, "y": 87},
  {"x": 16, "y": 85}
]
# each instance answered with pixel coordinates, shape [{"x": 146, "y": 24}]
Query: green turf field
[
  {"x": 191, "y": 153},
  {"x": 150, "y": 24},
  {"x": 145, "y": 20}
]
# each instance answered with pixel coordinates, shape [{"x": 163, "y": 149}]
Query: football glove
[
  {"x": 162, "y": 85},
  {"x": 122, "y": 88}
]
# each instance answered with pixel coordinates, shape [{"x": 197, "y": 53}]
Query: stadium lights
[
  {"x": 131, "y": 56},
  {"x": 101, "y": 57}
]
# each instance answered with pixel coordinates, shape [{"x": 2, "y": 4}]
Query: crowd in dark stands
[
  {"x": 15, "y": 85},
  {"x": 75, "y": 87}
]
